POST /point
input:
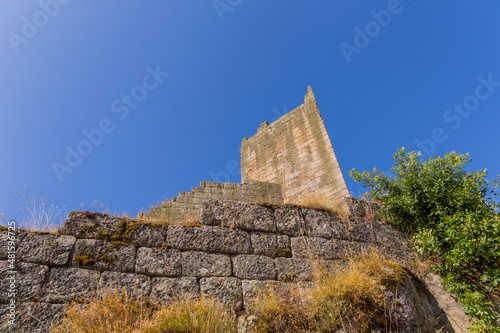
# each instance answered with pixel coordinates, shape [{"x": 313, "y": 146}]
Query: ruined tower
[{"x": 295, "y": 152}]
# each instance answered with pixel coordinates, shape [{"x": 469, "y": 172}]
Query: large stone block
[
  {"x": 146, "y": 234},
  {"x": 321, "y": 248},
  {"x": 31, "y": 317},
  {"x": 389, "y": 236},
  {"x": 299, "y": 270},
  {"x": 253, "y": 289},
  {"x": 226, "y": 289},
  {"x": 158, "y": 262},
  {"x": 202, "y": 264},
  {"x": 137, "y": 286},
  {"x": 290, "y": 221},
  {"x": 361, "y": 208},
  {"x": 271, "y": 245},
  {"x": 254, "y": 267},
  {"x": 294, "y": 270},
  {"x": 69, "y": 283},
  {"x": 359, "y": 230},
  {"x": 233, "y": 214},
  {"x": 46, "y": 249},
  {"x": 318, "y": 223},
  {"x": 92, "y": 225},
  {"x": 6, "y": 237},
  {"x": 401, "y": 256},
  {"x": 167, "y": 290},
  {"x": 102, "y": 255},
  {"x": 326, "y": 225},
  {"x": 211, "y": 239},
  {"x": 23, "y": 282}
]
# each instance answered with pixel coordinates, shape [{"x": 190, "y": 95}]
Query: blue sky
[{"x": 166, "y": 90}]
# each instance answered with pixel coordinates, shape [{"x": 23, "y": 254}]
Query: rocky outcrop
[{"x": 233, "y": 251}]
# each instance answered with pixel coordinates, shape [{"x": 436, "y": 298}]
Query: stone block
[
  {"x": 294, "y": 270},
  {"x": 27, "y": 280},
  {"x": 252, "y": 289},
  {"x": 210, "y": 239},
  {"x": 233, "y": 214},
  {"x": 137, "y": 286},
  {"x": 359, "y": 230},
  {"x": 31, "y": 317},
  {"x": 321, "y": 224},
  {"x": 145, "y": 234},
  {"x": 227, "y": 289},
  {"x": 167, "y": 290},
  {"x": 389, "y": 236},
  {"x": 53, "y": 250},
  {"x": 271, "y": 245},
  {"x": 102, "y": 255},
  {"x": 254, "y": 267},
  {"x": 90, "y": 225},
  {"x": 361, "y": 208},
  {"x": 66, "y": 284},
  {"x": 290, "y": 221},
  {"x": 7, "y": 236},
  {"x": 321, "y": 248},
  {"x": 201, "y": 264},
  {"x": 158, "y": 262}
]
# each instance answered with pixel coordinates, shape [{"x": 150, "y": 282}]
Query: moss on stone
[
  {"x": 42, "y": 232},
  {"x": 84, "y": 260}
]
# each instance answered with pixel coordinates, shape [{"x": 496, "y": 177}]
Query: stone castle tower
[
  {"x": 286, "y": 161},
  {"x": 295, "y": 152}
]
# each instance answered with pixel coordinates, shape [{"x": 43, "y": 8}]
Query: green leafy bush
[{"x": 453, "y": 217}]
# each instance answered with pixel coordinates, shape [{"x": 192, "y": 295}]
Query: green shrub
[{"x": 452, "y": 216}]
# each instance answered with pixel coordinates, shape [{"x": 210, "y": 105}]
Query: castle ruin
[
  {"x": 286, "y": 161},
  {"x": 295, "y": 152}
]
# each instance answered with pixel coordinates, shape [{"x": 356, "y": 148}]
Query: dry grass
[
  {"x": 350, "y": 299},
  {"x": 202, "y": 315},
  {"x": 319, "y": 202},
  {"x": 38, "y": 213},
  {"x": 117, "y": 313},
  {"x": 114, "y": 312}
]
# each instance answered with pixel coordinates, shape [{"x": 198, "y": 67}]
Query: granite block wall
[{"x": 235, "y": 250}]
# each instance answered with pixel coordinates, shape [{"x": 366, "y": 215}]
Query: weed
[
  {"x": 36, "y": 214},
  {"x": 319, "y": 202},
  {"x": 113, "y": 312},
  {"x": 353, "y": 297},
  {"x": 119, "y": 313}
]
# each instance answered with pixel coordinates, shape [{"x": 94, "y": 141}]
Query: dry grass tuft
[
  {"x": 113, "y": 312},
  {"x": 200, "y": 315},
  {"x": 117, "y": 313},
  {"x": 38, "y": 213},
  {"x": 352, "y": 298},
  {"x": 319, "y": 202}
]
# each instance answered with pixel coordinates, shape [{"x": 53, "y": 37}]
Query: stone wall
[
  {"x": 295, "y": 151},
  {"x": 188, "y": 204},
  {"x": 236, "y": 250}
]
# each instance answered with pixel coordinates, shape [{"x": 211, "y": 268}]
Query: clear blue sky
[{"x": 385, "y": 73}]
